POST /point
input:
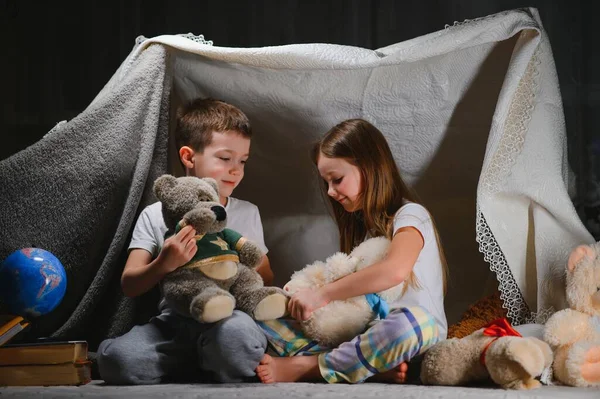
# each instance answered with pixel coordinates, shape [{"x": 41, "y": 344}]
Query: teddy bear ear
[
  {"x": 213, "y": 183},
  {"x": 578, "y": 254},
  {"x": 163, "y": 184}
]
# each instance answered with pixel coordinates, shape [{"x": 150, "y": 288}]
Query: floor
[{"x": 97, "y": 389}]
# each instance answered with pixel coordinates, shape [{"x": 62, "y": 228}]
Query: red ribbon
[{"x": 497, "y": 328}]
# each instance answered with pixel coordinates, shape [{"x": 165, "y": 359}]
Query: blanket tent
[{"x": 473, "y": 115}]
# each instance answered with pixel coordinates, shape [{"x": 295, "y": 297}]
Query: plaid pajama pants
[{"x": 402, "y": 335}]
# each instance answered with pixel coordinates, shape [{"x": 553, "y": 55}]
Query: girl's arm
[
  {"x": 395, "y": 268},
  {"x": 391, "y": 271}
]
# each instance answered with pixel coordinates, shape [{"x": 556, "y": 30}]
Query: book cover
[
  {"x": 46, "y": 375},
  {"x": 11, "y": 326},
  {"x": 43, "y": 353}
]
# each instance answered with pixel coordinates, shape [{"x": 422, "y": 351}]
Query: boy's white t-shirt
[
  {"x": 428, "y": 267},
  {"x": 150, "y": 229}
]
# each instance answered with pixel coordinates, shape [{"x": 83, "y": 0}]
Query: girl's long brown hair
[{"x": 383, "y": 190}]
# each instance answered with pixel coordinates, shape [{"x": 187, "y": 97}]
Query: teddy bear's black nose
[{"x": 219, "y": 212}]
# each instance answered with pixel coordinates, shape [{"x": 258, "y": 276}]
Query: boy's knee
[
  {"x": 237, "y": 329},
  {"x": 118, "y": 365},
  {"x": 110, "y": 362},
  {"x": 232, "y": 348}
]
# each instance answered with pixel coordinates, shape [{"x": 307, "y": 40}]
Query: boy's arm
[
  {"x": 254, "y": 227},
  {"x": 264, "y": 269},
  {"x": 141, "y": 273}
]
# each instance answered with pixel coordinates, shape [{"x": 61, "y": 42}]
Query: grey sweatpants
[{"x": 175, "y": 348}]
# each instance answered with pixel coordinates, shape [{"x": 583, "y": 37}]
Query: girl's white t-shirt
[{"x": 428, "y": 267}]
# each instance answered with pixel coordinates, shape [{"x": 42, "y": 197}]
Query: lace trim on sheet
[
  {"x": 481, "y": 19},
  {"x": 198, "y": 39},
  {"x": 515, "y": 128},
  {"x": 510, "y": 294},
  {"x": 509, "y": 148}
]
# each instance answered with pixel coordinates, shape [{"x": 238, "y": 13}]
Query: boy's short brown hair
[{"x": 198, "y": 119}]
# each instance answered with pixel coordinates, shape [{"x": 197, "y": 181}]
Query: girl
[{"x": 369, "y": 199}]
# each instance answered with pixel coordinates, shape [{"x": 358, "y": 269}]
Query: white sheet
[{"x": 474, "y": 118}]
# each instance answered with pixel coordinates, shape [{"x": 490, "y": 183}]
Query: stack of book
[{"x": 43, "y": 363}]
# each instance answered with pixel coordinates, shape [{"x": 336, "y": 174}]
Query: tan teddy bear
[
  {"x": 574, "y": 333},
  {"x": 496, "y": 351},
  {"x": 340, "y": 321}
]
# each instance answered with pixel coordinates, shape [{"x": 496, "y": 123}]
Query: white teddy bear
[{"x": 340, "y": 321}]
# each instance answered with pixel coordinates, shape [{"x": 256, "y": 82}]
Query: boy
[{"x": 213, "y": 138}]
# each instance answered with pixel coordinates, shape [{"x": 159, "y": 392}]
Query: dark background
[{"x": 57, "y": 55}]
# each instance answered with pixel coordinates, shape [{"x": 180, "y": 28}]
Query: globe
[{"x": 32, "y": 282}]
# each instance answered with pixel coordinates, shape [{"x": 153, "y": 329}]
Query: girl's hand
[{"x": 305, "y": 302}]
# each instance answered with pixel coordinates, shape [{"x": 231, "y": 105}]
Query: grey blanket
[
  {"x": 77, "y": 193},
  {"x": 472, "y": 113}
]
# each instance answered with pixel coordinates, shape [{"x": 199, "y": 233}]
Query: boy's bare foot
[
  {"x": 288, "y": 369},
  {"x": 397, "y": 375}
]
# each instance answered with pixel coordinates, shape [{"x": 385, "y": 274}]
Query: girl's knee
[
  {"x": 418, "y": 321},
  {"x": 414, "y": 316}
]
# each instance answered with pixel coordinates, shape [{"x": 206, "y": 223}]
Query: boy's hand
[{"x": 178, "y": 249}]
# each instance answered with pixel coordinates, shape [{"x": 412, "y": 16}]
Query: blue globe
[{"x": 32, "y": 282}]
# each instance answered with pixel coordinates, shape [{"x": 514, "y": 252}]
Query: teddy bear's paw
[
  {"x": 591, "y": 374},
  {"x": 250, "y": 254},
  {"x": 528, "y": 355},
  {"x": 216, "y": 308},
  {"x": 565, "y": 327},
  {"x": 271, "y": 307},
  {"x": 593, "y": 354},
  {"x": 578, "y": 365},
  {"x": 590, "y": 369},
  {"x": 546, "y": 350}
]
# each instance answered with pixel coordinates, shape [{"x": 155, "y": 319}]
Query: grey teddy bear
[{"x": 221, "y": 276}]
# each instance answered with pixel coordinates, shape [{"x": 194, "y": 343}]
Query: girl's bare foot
[
  {"x": 288, "y": 369},
  {"x": 397, "y": 375}
]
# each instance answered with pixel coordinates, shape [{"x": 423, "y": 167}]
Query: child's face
[
  {"x": 223, "y": 160},
  {"x": 343, "y": 179}
]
